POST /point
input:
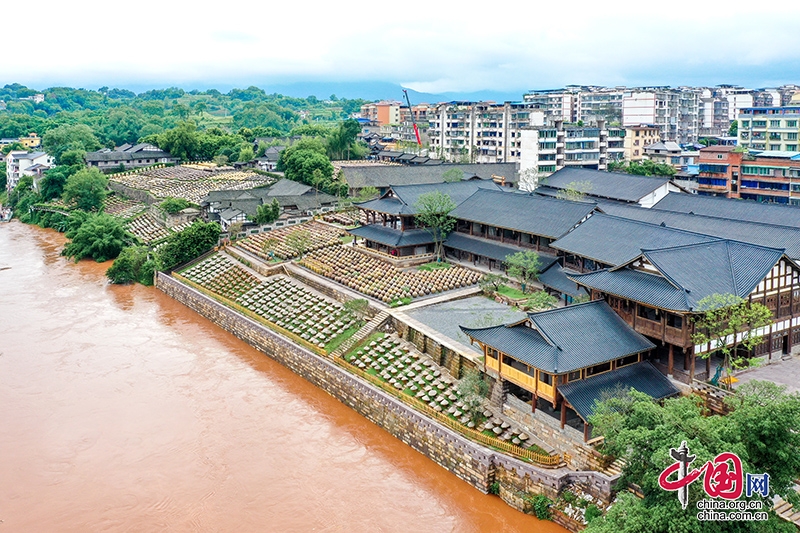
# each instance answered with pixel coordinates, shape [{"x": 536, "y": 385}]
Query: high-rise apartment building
[{"x": 770, "y": 128}]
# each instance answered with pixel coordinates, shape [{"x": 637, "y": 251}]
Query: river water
[{"x": 122, "y": 410}]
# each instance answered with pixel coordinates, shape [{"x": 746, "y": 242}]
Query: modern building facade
[{"x": 770, "y": 128}]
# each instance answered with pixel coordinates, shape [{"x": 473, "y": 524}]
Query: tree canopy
[
  {"x": 87, "y": 188},
  {"x": 760, "y": 430},
  {"x": 184, "y": 246},
  {"x": 100, "y": 237},
  {"x": 525, "y": 267},
  {"x": 433, "y": 212}
]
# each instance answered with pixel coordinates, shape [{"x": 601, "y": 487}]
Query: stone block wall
[{"x": 477, "y": 465}]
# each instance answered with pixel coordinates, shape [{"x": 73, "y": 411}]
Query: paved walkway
[{"x": 783, "y": 372}]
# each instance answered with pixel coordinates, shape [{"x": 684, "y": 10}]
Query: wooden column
[
  {"x": 563, "y": 413},
  {"x": 691, "y": 369},
  {"x": 586, "y": 432},
  {"x": 708, "y": 368},
  {"x": 534, "y": 399},
  {"x": 671, "y": 360}
]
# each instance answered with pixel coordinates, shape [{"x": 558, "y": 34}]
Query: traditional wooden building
[
  {"x": 657, "y": 293},
  {"x": 561, "y": 356}
]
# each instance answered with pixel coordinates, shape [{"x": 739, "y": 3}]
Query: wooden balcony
[
  {"x": 676, "y": 336},
  {"x": 650, "y": 328}
]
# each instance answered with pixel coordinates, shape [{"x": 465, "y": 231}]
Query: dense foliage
[
  {"x": 174, "y": 205},
  {"x": 99, "y": 236},
  {"x": 86, "y": 188},
  {"x": 192, "y": 242},
  {"x": 133, "y": 264},
  {"x": 760, "y": 430},
  {"x": 433, "y": 213}
]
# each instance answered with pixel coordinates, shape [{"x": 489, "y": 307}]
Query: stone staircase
[
  {"x": 615, "y": 468},
  {"x": 368, "y": 329},
  {"x": 785, "y": 510}
]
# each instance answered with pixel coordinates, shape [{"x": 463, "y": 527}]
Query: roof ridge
[{"x": 734, "y": 281}]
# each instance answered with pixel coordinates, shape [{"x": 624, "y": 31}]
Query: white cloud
[{"x": 429, "y": 46}]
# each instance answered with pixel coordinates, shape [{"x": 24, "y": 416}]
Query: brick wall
[{"x": 472, "y": 462}]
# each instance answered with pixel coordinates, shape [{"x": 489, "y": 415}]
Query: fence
[{"x": 548, "y": 461}]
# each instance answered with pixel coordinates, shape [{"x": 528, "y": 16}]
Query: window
[
  {"x": 649, "y": 313},
  {"x": 775, "y": 147},
  {"x": 545, "y": 378},
  {"x": 745, "y": 124},
  {"x": 574, "y": 376},
  {"x": 629, "y": 360},
  {"x": 720, "y": 156},
  {"x": 774, "y": 123},
  {"x": 791, "y": 147},
  {"x": 674, "y": 321},
  {"x": 791, "y": 123},
  {"x": 597, "y": 369},
  {"x": 492, "y": 353},
  {"x": 791, "y": 136}
]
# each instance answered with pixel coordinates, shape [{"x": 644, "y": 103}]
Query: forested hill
[{"x": 118, "y": 116}]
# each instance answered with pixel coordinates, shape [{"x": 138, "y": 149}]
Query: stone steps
[
  {"x": 785, "y": 510},
  {"x": 615, "y": 468},
  {"x": 361, "y": 334}
]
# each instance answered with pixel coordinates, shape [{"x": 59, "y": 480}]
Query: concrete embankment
[{"x": 476, "y": 464}]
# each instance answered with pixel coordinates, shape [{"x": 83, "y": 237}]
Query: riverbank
[
  {"x": 515, "y": 481},
  {"x": 127, "y": 410}
]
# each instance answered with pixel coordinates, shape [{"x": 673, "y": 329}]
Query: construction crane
[{"x": 413, "y": 120}]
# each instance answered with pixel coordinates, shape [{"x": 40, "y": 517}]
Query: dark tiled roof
[
  {"x": 614, "y": 185},
  {"x": 392, "y": 237},
  {"x": 613, "y": 240},
  {"x": 537, "y": 215},
  {"x": 688, "y": 274},
  {"x": 555, "y": 277},
  {"x": 490, "y": 249},
  {"x": 566, "y": 339},
  {"x": 730, "y": 208},
  {"x": 724, "y": 228},
  {"x": 582, "y": 395},
  {"x": 406, "y": 196},
  {"x": 286, "y": 187},
  {"x": 382, "y": 176},
  {"x": 636, "y": 285}
]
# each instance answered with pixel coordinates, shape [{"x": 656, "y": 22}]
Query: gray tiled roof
[
  {"x": 724, "y": 228},
  {"x": 565, "y": 339},
  {"x": 286, "y": 187},
  {"x": 584, "y": 394},
  {"x": 537, "y": 215},
  {"x": 392, "y": 237},
  {"x": 730, "y": 208},
  {"x": 614, "y": 185},
  {"x": 382, "y": 176},
  {"x": 406, "y": 196},
  {"x": 688, "y": 274},
  {"x": 555, "y": 277},
  {"x": 613, "y": 240},
  {"x": 486, "y": 248},
  {"x": 636, "y": 285}
]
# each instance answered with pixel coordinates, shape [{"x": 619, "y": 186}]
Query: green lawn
[
  {"x": 434, "y": 266},
  {"x": 511, "y": 292},
  {"x": 338, "y": 340}
]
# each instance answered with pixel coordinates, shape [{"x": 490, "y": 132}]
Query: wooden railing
[{"x": 548, "y": 461}]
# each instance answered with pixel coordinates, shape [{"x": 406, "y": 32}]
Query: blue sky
[{"x": 431, "y": 47}]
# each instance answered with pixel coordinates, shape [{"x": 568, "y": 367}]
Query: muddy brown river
[{"x": 122, "y": 410}]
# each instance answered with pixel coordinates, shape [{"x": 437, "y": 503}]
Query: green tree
[
  {"x": 641, "y": 431},
  {"x": 132, "y": 265},
  {"x": 575, "y": 191},
  {"x": 54, "y": 180},
  {"x": 525, "y": 267},
  {"x": 541, "y": 301},
  {"x": 433, "y": 212},
  {"x": 182, "y": 141},
  {"x": 188, "y": 244},
  {"x": 648, "y": 167},
  {"x": 3, "y": 177},
  {"x": 491, "y": 282},
  {"x": 268, "y": 213},
  {"x": 69, "y": 137},
  {"x": 246, "y": 153},
  {"x": 100, "y": 237},
  {"x": 367, "y": 193},
  {"x": 174, "y": 205},
  {"x": 472, "y": 390},
  {"x": 342, "y": 139},
  {"x": 725, "y": 318},
  {"x": 87, "y": 188},
  {"x": 733, "y": 130},
  {"x": 358, "y": 309},
  {"x": 298, "y": 241},
  {"x": 453, "y": 175}
]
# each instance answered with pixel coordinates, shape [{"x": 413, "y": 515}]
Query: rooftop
[
  {"x": 565, "y": 339},
  {"x": 612, "y": 185},
  {"x": 730, "y": 208}
]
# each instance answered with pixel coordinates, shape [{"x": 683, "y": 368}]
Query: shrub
[{"x": 592, "y": 512}]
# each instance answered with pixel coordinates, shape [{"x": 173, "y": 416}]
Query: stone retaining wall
[
  {"x": 477, "y": 465},
  {"x": 134, "y": 194}
]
